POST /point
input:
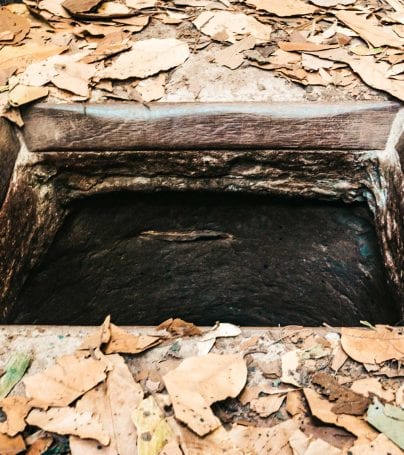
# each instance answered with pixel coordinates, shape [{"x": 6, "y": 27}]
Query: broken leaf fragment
[
  {"x": 23, "y": 94},
  {"x": 153, "y": 431},
  {"x": 127, "y": 343},
  {"x": 284, "y": 8},
  {"x": 11, "y": 445},
  {"x": 14, "y": 410},
  {"x": 179, "y": 327},
  {"x": 201, "y": 381},
  {"x": 147, "y": 57}
]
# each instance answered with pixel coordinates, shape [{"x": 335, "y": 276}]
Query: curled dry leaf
[
  {"x": 283, "y": 8},
  {"x": 153, "y": 431},
  {"x": 265, "y": 406},
  {"x": 71, "y": 377},
  {"x": 201, "y": 381},
  {"x": 179, "y": 327},
  {"x": 11, "y": 445},
  {"x": 228, "y": 25},
  {"x": 373, "y": 346},
  {"x": 147, "y": 57},
  {"x": 127, "y": 343},
  {"x": 69, "y": 421},
  {"x": 111, "y": 44}
]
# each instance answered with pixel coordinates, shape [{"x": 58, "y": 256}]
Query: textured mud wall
[{"x": 247, "y": 259}]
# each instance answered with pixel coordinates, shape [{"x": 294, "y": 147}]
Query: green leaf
[{"x": 15, "y": 368}]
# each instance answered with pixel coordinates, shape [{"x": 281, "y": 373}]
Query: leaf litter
[{"x": 133, "y": 47}]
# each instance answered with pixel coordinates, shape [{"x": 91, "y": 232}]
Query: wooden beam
[{"x": 167, "y": 126}]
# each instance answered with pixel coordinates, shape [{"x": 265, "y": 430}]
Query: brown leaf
[
  {"x": 368, "y": 386},
  {"x": 24, "y": 94},
  {"x": 71, "y": 377},
  {"x": 69, "y": 421},
  {"x": 40, "y": 446},
  {"x": 13, "y": 27},
  {"x": 80, "y": 6},
  {"x": 101, "y": 336},
  {"x": 179, "y": 327},
  {"x": 283, "y": 8},
  {"x": 15, "y": 410},
  {"x": 74, "y": 77},
  {"x": 376, "y": 35},
  {"x": 232, "y": 56},
  {"x": 11, "y": 445},
  {"x": 294, "y": 403},
  {"x": 147, "y": 57},
  {"x": 113, "y": 401},
  {"x": 321, "y": 408},
  {"x": 346, "y": 400},
  {"x": 304, "y": 46},
  {"x": 265, "y": 406},
  {"x": 201, "y": 381},
  {"x": 228, "y": 25},
  {"x": 127, "y": 343},
  {"x": 373, "y": 346},
  {"x": 339, "y": 357}
]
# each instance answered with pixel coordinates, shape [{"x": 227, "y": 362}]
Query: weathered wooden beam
[
  {"x": 9, "y": 146},
  {"x": 168, "y": 126}
]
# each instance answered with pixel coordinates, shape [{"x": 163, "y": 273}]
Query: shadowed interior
[{"x": 247, "y": 259}]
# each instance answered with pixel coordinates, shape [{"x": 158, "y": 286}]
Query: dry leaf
[
  {"x": 40, "y": 445},
  {"x": 127, "y": 343},
  {"x": 339, "y": 357},
  {"x": 290, "y": 368},
  {"x": 11, "y": 445},
  {"x": 321, "y": 408},
  {"x": 228, "y": 25},
  {"x": 265, "y": 406},
  {"x": 111, "y": 44},
  {"x": 13, "y": 27},
  {"x": 146, "y": 58},
  {"x": 346, "y": 400},
  {"x": 373, "y": 74},
  {"x": 368, "y": 386},
  {"x": 14, "y": 410},
  {"x": 319, "y": 446},
  {"x": 376, "y": 35},
  {"x": 74, "y": 77},
  {"x": 69, "y": 421},
  {"x": 152, "y": 88},
  {"x": 232, "y": 56},
  {"x": 113, "y": 401},
  {"x": 294, "y": 403},
  {"x": 304, "y": 46},
  {"x": 179, "y": 327},
  {"x": 23, "y": 94},
  {"x": 201, "y": 381},
  {"x": 311, "y": 62},
  {"x": 140, "y": 4},
  {"x": 379, "y": 446},
  {"x": 283, "y": 8},
  {"x": 80, "y": 6},
  {"x": 330, "y": 3},
  {"x": 152, "y": 429},
  {"x": 71, "y": 377},
  {"x": 373, "y": 346},
  {"x": 101, "y": 336}
]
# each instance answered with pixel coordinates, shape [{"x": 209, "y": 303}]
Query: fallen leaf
[
  {"x": 283, "y": 8},
  {"x": 299, "y": 442},
  {"x": 307, "y": 46},
  {"x": 379, "y": 446},
  {"x": 330, "y": 3},
  {"x": 179, "y": 327},
  {"x": 346, "y": 400},
  {"x": 318, "y": 446},
  {"x": 321, "y": 408},
  {"x": 389, "y": 420},
  {"x": 14, "y": 370},
  {"x": 152, "y": 429},
  {"x": 201, "y": 381},
  {"x": 311, "y": 62},
  {"x": 140, "y": 4},
  {"x": 400, "y": 396},
  {"x": 376, "y": 35},
  {"x": 228, "y": 25},
  {"x": 368, "y": 386},
  {"x": 23, "y": 94},
  {"x": 101, "y": 336},
  {"x": 339, "y": 357},
  {"x": 69, "y": 421},
  {"x": 11, "y": 445},
  {"x": 265, "y": 406},
  {"x": 14, "y": 410},
  {"x": 294, "y": 403},
  {"x": 80, "y": 6},
  {"x": 71, "y": 377},
  {"x": 127, "y": 343},
  {"x": 111, "y": 44},
  {"x": 146, "y": 58},
  {"x": 152, "y": 88},
  {"x": 232, "y": 56},
  {"x": 13, "y": 27},
  {"x": 290, "y": 368},
  {"x": 40, "y": 445},
  {"x": 373, "y": 346}
]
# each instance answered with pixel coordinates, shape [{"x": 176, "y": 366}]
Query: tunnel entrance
[{"x": 246, "y": 259}]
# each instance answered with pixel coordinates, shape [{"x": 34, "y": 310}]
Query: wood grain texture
[
  {"x": 345, "y": 126},
  {"x": 9, "y": 146}
]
